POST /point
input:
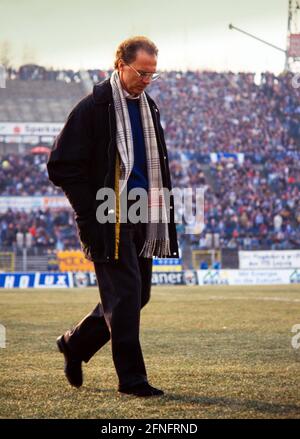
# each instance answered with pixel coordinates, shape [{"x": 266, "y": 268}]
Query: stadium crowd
[
  {"x": 48, "y": 229},
  {"x": 254, "y": 208},
  {"x": 25, "y": 175},
  {"x": 33, "y": 72},
  {"x": 251, "y": 195}
]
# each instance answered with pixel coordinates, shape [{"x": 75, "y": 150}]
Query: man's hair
[{"x": 127, "y": 50}]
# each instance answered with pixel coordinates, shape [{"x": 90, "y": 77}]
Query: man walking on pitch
[{"x": 113, "y": 139}]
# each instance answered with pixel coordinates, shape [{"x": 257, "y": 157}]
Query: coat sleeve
[{"x": 68, "y": 163}]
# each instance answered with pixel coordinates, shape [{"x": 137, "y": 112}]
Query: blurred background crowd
[{"x": 235, "y": 135}]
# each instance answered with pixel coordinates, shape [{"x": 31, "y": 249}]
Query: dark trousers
[{"x": 124, "y": 289}]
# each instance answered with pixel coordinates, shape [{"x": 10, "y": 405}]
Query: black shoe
[
  {"x": 141, "y": 390},
  {"x": 73, "y": 369}
]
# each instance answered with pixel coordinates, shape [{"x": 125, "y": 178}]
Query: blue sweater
[{"x": 139, "y": 174}]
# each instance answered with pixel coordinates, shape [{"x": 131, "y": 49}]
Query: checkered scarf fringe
[{"x": 157, "y": 241}]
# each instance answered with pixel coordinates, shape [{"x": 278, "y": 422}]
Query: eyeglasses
[{"x": 145, "y": 75}]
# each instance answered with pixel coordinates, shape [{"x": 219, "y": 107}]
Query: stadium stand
[
  {"x": 236, "y": 138},
  {"x": 38, "y": 100}
]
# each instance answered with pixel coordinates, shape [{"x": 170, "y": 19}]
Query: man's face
[{"x": 130, "y": 80}]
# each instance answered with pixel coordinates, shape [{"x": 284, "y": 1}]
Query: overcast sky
[{"x": 189, "y": 33}]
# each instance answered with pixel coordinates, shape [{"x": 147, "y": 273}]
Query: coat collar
[{"x": 102, "y": 93}]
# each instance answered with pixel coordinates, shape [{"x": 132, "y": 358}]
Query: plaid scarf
[{"x": 157, "y": 241}]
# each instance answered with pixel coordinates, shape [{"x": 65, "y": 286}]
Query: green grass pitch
[{"x": 217, "y": 351}]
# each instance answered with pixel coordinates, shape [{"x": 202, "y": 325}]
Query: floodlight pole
[
  {"x": 256, "y": 38},
  {"x": 263, "y": 41},
  {"x": 290, "y": 16}
]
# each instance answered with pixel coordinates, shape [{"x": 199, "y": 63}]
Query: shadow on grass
[
  {"x": 230, "y": 403},
  {"x": 261, "y": 406},
  {"x": 97, "y": 390}
]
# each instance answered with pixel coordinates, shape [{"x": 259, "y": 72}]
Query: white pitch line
[{"x": 258, "y": 299}]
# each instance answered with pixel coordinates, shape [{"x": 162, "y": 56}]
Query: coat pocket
[{"x": 91, "y": 239}]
